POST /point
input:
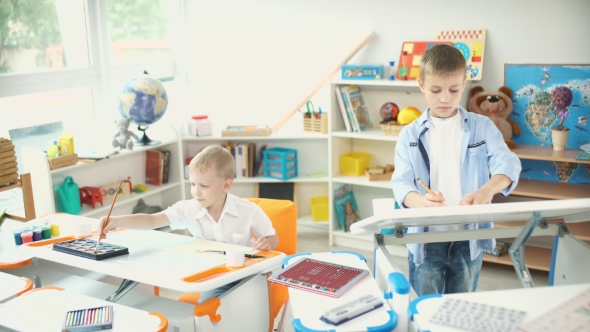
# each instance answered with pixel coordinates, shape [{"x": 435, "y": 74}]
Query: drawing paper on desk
[
  {"x": 192, "y": 249},
  {"x": 151, "y": 239}
]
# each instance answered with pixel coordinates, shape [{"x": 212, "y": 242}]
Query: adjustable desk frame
[{"x": 569, "y": 253}]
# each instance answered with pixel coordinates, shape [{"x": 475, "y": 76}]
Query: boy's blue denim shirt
[{"x": 483, "y": 154}]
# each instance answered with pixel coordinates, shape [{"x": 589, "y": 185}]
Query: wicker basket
[{"x": 391, "y": 128}]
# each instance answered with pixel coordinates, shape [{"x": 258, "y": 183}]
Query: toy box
[{"x": 362, "y": 72}]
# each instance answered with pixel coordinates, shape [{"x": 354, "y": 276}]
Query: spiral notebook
[{"x": 319, "y": 277}]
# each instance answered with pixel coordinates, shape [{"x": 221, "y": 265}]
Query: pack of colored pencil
[{"x": 91, "y": 319}]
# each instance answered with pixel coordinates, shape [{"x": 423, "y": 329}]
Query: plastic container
[
  {"x": 319, "y": 208},
  {"x": 200, "y": 125},
  {"x": 46, "y": 232},
  {"x": 354, "y": 163},
  {"x": 27, "y": 236},
  {"x": 18, "y": 240},
  {"x": 54, "y": 230},
  {"x": 280, "y": 163},
  {"x": 37, "y": 234}
]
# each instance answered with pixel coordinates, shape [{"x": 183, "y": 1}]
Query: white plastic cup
[{"x": 234, "y": 258}]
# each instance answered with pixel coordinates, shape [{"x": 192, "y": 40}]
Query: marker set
[
  {"x": 35, "y": 233},
  {"x": 92, "y": 319},
  {"x": 87, "y": 248}
]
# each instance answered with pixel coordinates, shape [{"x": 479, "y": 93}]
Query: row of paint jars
[{"x": 35, "y": 233}]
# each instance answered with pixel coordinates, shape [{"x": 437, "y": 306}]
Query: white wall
[{"x": 251, "y": 61}]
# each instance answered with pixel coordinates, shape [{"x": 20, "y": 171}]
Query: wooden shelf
[
  {"x": 375, "y": 134},
  {"x": 536, "y": 258},
  {"x": 551, "y": 190},
  {"x": 536, "y": 152}
]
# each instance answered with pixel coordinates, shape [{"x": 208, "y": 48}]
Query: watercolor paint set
[
  {"x": 91, "y": 319},
  {"x": 87, "y": 248}
]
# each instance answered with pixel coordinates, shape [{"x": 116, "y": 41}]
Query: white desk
[
  {"x": 161, "y": 259},
  {"x": 44, "y": 309},
  {"x": 535, "y": 302},
  {"x": 308, "y": 307},
  {"x": 13, "y": 286},
  {"x": 571, "y": 257}
]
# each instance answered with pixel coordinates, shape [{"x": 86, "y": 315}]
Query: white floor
[{"x": 493, "y": 276}]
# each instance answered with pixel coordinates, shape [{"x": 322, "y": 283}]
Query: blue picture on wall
[{"x": 536, "y": 112}]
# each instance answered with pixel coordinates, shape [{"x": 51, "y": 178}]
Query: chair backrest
[{"x": 283, "y": 215}]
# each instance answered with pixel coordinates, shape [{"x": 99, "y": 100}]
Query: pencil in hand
[{"x": 425, "y": 187}]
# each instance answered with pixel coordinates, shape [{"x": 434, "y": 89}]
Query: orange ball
[{"x": 407, "y": 115}]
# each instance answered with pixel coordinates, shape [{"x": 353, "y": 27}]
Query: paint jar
[
  {"x": 45, "y": 231},
  {"x": 200, "y": 125},
  {"x": 54, "y": 230},
  {"x": 17, "y": 237},
  {"x": 27, "y": 236},
  {"x": 234, "y": 258},
  {"x": 37, "y": 234}
]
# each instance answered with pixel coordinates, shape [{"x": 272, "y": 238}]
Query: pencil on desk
[
  {"x": 106, "y": 222},
  {"x": 425, "y": 187}
]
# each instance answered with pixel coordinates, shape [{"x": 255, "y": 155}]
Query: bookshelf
[{"x": 105, "y": 172}]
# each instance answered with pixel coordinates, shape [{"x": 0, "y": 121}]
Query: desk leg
[
  {"x": 126, "y": 286},
  {"x": 517, "y": 250}
]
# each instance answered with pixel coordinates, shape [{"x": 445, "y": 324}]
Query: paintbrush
[
  {"x": 223, "y": 252},
  {"x": 106, "y": 222}
]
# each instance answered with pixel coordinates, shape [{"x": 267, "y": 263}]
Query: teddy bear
[
  {"x": 496, "y": 105},
  {"x": 123, "y": 139}
]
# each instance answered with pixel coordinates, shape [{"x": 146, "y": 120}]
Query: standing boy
[
  {"x": 214, "y": 214},
  {"x": 462, "y": 157}
]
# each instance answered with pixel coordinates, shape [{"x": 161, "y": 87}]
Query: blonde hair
[
  {"x": 217, "y": 158},
  {"x": 442, "y": 60}
]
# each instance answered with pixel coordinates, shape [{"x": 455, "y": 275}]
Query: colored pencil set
[{"x": 91, "y": 319}]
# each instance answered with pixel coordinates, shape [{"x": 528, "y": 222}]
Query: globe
[
  {"x": 389, "y": 111},
  {"x": 144, "y": 101}
]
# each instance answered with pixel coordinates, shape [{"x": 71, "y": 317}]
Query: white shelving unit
[
  {"x": 373, "y": 141},
  {"x": 106, "y": 172},
  {"x": 312, "y": 157}
]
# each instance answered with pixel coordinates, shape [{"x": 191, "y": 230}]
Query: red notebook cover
[{"x": 154, "y": 166}]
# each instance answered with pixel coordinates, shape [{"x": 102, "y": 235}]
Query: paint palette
[{"x": 86, "y": 248}]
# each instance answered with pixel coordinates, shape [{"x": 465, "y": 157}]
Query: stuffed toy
[
  {"x": 122, "y": 138},
  {"x": 496, "y": 105}
]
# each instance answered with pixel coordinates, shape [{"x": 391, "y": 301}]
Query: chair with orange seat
[{"x": 283, "y": 215}]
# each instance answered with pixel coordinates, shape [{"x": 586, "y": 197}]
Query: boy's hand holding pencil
[
  {"x": 260, "y": 243},
  {"x": 433, "y": 199}
]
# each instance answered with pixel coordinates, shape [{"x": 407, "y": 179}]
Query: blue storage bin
[{"x": 280, "y": 163}]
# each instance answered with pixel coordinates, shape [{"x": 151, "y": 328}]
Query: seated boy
[{"x": 214, "y": 214}]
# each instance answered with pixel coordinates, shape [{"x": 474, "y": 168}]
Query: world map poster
[{"x": 537, "y": 113}]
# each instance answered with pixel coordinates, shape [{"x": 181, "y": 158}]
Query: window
[
  {"x": 139, "y": 30},
  {"x": 42, "y": 35},
  {"x": 62, "y": 60}
]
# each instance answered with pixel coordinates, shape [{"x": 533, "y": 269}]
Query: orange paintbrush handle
[{"x": 106, "y": 222}]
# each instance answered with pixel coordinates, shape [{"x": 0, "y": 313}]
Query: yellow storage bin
[
  {"x": 319, "y": 208},
  {"x": 354, "y": 163}
]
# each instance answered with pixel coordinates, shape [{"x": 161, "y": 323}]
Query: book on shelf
[
  {"x": 345, "y": 206},
  {"x": 154, "y": 167},
  {"x": 349, "y": 110},
  {"x": 359, "y": 109},
  {"x": 345, "y": 117},
  {"x": 166, "y": 166},
  {"x": 258, "y": 160}
]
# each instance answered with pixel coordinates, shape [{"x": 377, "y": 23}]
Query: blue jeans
[
  {"x": 447, "y": 269},
  {"x": 217, "y": 292}
]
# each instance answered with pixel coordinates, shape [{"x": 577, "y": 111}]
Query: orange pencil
[
  {"x": 425, "y": 187},
  {"x": 106, "y": 222}
]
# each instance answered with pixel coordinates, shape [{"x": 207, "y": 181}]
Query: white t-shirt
[
  {"x": 444, "y": 138},
  {"x": 238, "y": 219}
]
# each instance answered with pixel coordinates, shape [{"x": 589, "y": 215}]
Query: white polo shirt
[{"x": 238, "y": 219}]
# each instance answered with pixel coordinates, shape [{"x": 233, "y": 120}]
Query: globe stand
[{"x": 145, "y": 140}]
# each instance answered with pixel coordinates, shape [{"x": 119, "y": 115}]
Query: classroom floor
[{"x": 493, "y": 276}]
